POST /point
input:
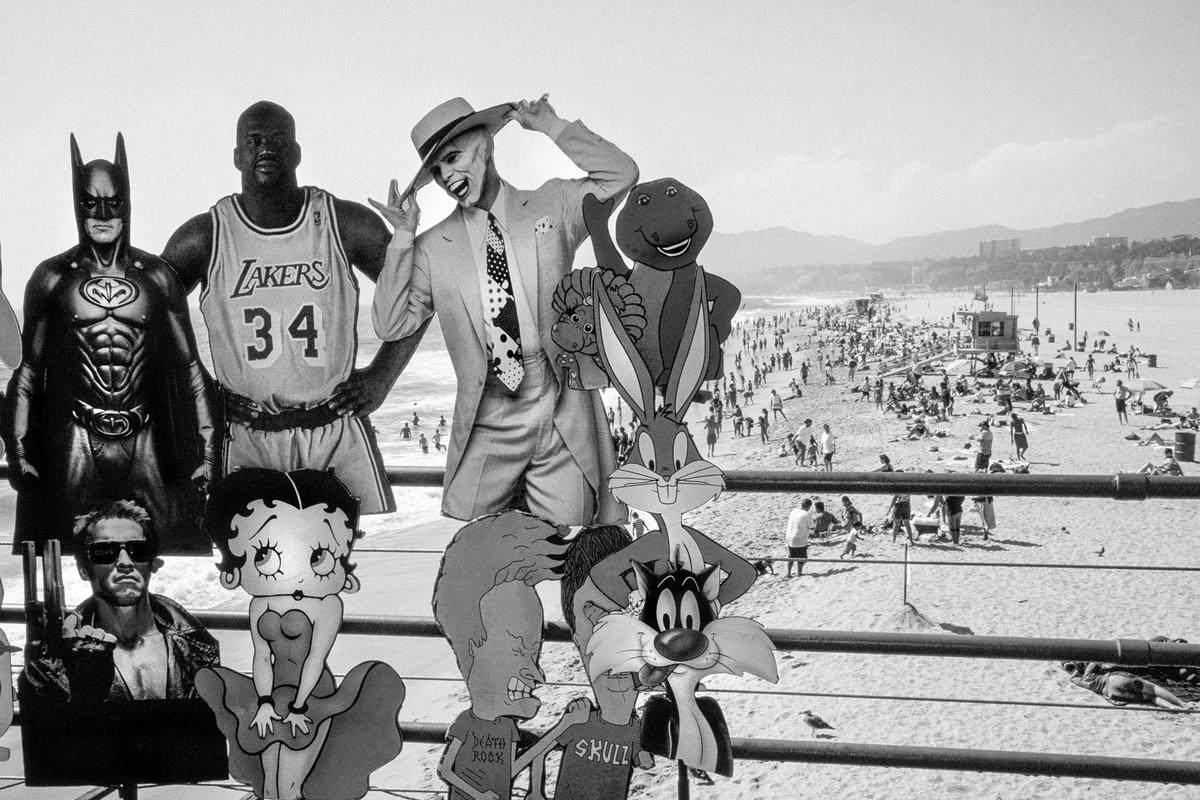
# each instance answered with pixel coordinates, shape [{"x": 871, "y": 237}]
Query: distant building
[
  {"x": 1000, "y": 248},
  {"x": 1110, "y": 242}
]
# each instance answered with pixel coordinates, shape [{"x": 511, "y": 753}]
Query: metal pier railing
[{"x": 1130, "y": 652}]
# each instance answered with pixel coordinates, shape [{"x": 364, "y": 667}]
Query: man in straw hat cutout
[{"x": 490, "y": 269}]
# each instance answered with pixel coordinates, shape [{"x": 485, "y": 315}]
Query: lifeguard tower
[
  {"x": 990, "y": 332},
  {"x": 868, "y": 307}
]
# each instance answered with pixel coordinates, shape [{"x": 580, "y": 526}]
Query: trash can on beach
[
  {"x": 1185, "y": 445},
  {"x": 1151, "y": 359}
]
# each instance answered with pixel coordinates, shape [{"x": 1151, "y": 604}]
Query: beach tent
[
  {"x": 1012, "y": 368},
  {"x": 959, "y": 365}
]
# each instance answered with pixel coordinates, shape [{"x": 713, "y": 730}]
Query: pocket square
[{"x": 542, "y": 226}]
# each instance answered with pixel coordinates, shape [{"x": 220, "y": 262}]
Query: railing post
[{"x": 904, "y": 593}]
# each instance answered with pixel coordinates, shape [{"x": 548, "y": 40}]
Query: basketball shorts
[{"x": 346, "y": 445}]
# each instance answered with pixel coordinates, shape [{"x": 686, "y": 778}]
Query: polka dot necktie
[{"x": 504, "y": 333}]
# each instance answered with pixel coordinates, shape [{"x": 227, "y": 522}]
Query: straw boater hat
[{"x": 446, "y": 121}]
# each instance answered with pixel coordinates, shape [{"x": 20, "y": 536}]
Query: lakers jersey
[{"x": 281, "y": 305}]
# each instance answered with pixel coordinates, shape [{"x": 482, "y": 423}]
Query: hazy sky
[{"x": 865, "y": 119}]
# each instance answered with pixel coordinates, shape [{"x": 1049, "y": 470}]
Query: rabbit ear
[
  {"x": 691, "y": 362},
  {"x": 619, "y": 355}
]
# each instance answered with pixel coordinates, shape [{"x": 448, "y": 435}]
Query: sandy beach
[
  {"x": 1018, "y": 602},
  {"x": 854, "y": 595}
]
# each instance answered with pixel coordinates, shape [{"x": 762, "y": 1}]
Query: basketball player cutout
[{"x": 280, "y": 301}]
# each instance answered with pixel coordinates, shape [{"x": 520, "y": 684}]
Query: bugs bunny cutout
[
  {"x": 678, "y": 633},
  {"x": 664, "y": 474}
]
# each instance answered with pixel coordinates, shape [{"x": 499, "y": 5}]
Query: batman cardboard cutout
[{"x": 111, "y": 401}]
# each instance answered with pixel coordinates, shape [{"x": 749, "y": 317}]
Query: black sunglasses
[{"x": 108, "y": 552}]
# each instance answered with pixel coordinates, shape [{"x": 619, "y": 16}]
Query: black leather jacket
[{"x": 190, "y": 647}]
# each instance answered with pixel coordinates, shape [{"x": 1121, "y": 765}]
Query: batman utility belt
[{"x": 108, "y": 422}]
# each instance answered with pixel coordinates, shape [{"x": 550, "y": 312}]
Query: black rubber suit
[{"x": 111, "y": 401}]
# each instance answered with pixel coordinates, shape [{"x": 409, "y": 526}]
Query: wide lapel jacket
[{"x": 545, "y": 224}]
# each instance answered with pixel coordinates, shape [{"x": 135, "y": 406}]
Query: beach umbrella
[
  {"x": 1192, "y": 383},
  {"x": 1144, "y": 385},
  {"x": 1103, "y": 333}
]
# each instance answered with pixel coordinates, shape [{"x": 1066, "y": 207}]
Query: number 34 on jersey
[{"x": 270, "y": 329}]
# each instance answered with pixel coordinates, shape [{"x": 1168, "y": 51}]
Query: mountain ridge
[{"x": 752, "y": 252}]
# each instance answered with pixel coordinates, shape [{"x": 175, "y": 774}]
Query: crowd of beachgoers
[{"x": 826, "y": 388}]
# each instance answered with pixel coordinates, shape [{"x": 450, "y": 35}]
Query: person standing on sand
[
  {"x": 954, "y": 508},
  {"x": 901, "y": 512},
  {"x": 984, "y": 458},
  {"x": 1091, "y": 366},
  {"x": 763, "y": 425},
  {"x": 710, "y": 433},
  {"x": 777, "y": 407},
  {"x": 828, "y": 446},
  {"x": 1019, "y": 433},
  {"x": 1122, "y": 394},
  {"x": 799, "y": 527},
  {"x": 851, "y": 548},
  {"x": 851, "y": 516}
]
